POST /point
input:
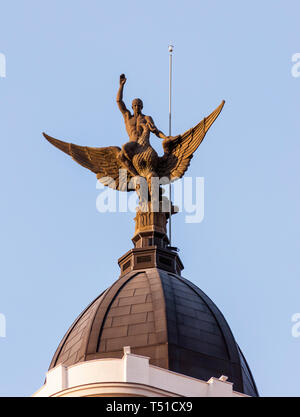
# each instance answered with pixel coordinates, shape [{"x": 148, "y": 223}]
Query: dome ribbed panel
[{"x": 164, "y": 317}]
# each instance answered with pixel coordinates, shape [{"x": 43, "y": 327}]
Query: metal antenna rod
[{"x": 170, "y": 121}]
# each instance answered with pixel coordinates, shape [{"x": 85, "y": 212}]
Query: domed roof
[{"x": 163, "y": 316}]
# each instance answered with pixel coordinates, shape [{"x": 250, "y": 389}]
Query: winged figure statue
[{"x": 137, "y": 156}]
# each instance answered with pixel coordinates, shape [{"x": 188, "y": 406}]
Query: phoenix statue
[{"x": 137, "y": 156}]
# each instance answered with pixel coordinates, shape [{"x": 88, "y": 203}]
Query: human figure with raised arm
[
  {"x": 137, "y": 156},
  {"x": 138, "y": 127}
]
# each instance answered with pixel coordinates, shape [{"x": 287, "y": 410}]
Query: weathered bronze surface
[
  {"x": 164, "y": 317},
  {"x": 137, "y": 158},
  {"x": 151, "y": 307}
]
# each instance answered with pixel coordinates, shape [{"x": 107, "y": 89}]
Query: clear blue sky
[{"x": 58, "y": 253}]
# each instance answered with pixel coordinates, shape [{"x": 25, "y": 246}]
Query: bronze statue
[{"x": 137, "y": 156}]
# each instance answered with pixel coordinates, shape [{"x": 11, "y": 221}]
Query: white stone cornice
[{"x": 130, "y": 376}]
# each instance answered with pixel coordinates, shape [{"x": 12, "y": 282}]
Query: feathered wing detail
[
  {"x": 179, "y": 152},
  {"x": 102, "y": 161}
]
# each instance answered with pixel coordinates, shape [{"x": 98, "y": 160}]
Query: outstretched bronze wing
[
  {"x": 101, "y": 161},
  {"x": 179, "y": 152}
]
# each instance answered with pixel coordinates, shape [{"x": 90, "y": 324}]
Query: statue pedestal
[
  {"x": 150, "y": 224},
  {"x": 151, "y": 245}
]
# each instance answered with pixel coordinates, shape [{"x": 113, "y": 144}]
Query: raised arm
[{"x": 121, "y": 104}]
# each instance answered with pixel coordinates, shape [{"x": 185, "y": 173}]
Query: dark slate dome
[{"x": 163, "y": 316}]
